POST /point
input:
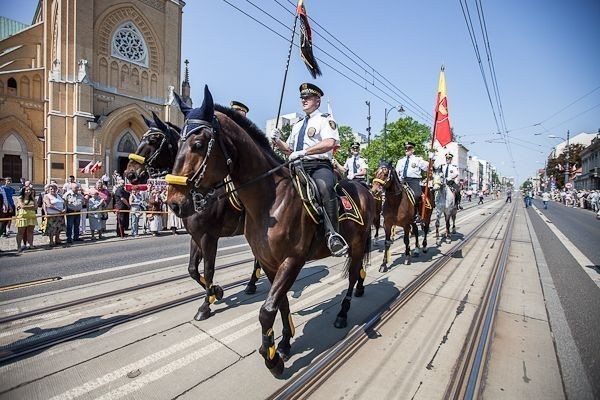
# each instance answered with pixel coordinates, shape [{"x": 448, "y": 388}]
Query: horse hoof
[
  {"x": 448, "y": 240},
  {"x": 359, "y": 292},
  {"x": 284, "y": 351},
  {"x": 275, "y": 366},
  {"x": 425, "y": 249},
  {"x": 407, "y": 261},
  {"x": 416, "y": 253},
  {"x": 218, "y": 292},
  {"x": 340, "y": 322},
  {"x": 201, "y": 315},
  {"x": 453, "y": 230},
  {"x": 250, "y": 289},
  {"x": 383, "y": 268}
]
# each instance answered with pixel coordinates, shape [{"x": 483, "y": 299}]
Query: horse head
[
  {"x": 202, "y": 160},
  {"x": 437, "y": 180},
  {"x": 156, "y": 152}
]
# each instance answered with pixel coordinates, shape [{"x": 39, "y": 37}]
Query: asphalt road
[{"x": 578, "y": 294}]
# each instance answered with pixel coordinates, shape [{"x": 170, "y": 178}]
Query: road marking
[
  {"x": 581, "y": 258},
  {"x": 30, "y": 283}
]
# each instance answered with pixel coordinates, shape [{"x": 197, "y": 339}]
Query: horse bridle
[
  {"x": 146, "y": 162},
  {"x": 200, "y": 200}
]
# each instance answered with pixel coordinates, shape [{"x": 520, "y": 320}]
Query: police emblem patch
[
  {"x": 332, "y": 124},
  {"x": 413, "y": 165},
  {"x": 311, "y": 131}
]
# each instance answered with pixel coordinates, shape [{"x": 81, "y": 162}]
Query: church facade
[{"x": 74, "y": 84}]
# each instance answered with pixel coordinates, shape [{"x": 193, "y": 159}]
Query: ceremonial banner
[
  {"x": 442, "y": 121},
  {"x": 306, "y": 51}
]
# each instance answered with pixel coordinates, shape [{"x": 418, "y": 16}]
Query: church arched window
[
  {"x": 127, "y": 144},
  {"x": 128, "y": 44}
]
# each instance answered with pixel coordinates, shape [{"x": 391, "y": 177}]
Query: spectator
[
  {"x": 480, "y": 195},
  {"x": 155, "y": 204},
  {"x": 95, "y": 205},
  {"x": 74, "y": 204},
  {"x": 469, "y": 195},
  {"x": 84, "y": 215},
  {"x": 135, "y": 201},
  {"x": 508, "y": 195},
  {"x": 67, "y": 186},
  {"x": 173, "y": 221},
  {"x": 165, "y": 215},
  {"x": 145, "y": 200},
  {"x": 26, "y": 219},
  {"x": 105, "y": 179},
  {"x": 54, "y": 206},
  {"x": 10, "y": 192},
  {"x": 3, "y": 208},
  {"x": 545, "y": 199},
  {"x": 106, "y": 196},
  {"x": 122, "y": 204}
]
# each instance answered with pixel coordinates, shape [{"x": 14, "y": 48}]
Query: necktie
[
  {"x": 405, "y": 167},
  {"x": 355, "y": 166},
  {"x": 300, "y": 141},
  {"x": 447, "y": 167}
]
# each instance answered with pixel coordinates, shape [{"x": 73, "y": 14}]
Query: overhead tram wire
[
  {"x": 572, "y": 118},
  {"x": 570, "y": 104},
  {"x": 405, "y": 97},
  {"x": 395, "y": 100},
  {"x": 325, "y": 63}
]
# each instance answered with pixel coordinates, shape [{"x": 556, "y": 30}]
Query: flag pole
[
  {"x": 287, "y": 65},
  {"x": 437, "y": 110}
]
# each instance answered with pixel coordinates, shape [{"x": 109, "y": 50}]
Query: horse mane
[{"x": 252, "y": 130}]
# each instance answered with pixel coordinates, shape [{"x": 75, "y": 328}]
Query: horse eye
[{"x": 197, "y": 145}]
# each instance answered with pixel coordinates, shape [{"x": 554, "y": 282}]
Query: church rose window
[{"x": 128, "y": 44}]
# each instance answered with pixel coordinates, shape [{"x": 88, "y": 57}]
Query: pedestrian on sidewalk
[
  {"x": 155, "y": 204},
  {"x": 26, "y": 220},
  {"x": 545, "y": 199},
  {"x": 74, "y": 205},
  {"x": 95, "y": 205},
  {"x": 508, "y": 195},
  {"x": 135, "y": 202},
  {"x": 106, "y": 196},
  {"x": 480, "y": 194},
  {"x": 122, "y": 204},
  {"x": 54, "y": 206},
  {"x": 10, "y": 192}
]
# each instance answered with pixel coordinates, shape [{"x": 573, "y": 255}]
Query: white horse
[{"x": 444, "y": 204}]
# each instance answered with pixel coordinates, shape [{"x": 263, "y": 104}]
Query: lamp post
[
  {"x": 566, "y": 154},
  {"x": 368, "y": 103},
  {"x": 387, "y": 111}
]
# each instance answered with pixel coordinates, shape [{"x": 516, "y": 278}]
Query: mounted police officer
[
  {"x": 312, "y": 140},
  {"x": 450, "y": 172},
  {"x": 240, "y": 107},
  {"x": 356, "y": 166},
  {"x": 409, "y": 170}
]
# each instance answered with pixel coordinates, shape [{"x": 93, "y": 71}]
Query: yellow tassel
[
  {"x": 137, "y": 158},
  {"x": 292, "y": 327},
  {"x": 257, "y": 273},
  {"x": 176, "y": 180},
  {"x": 363, "y": 273}
]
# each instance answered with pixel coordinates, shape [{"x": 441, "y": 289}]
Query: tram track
[
  {"x": 308, "y": 381},
  {"x": 10, "y": 352}
]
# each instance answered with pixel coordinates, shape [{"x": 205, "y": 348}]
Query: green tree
[
  {"x": 526, "y": 185},
  {"x": 286, "y": 130},
  {"x": 557, "y": 172},
  {"x": 398, "y": 133},
  {"x": 346, "y": 140}
]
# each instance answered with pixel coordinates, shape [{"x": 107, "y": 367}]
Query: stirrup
[{"x": 337, "y": 245}]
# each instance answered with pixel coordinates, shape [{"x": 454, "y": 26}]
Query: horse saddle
[{"x": 307, "y": 189}]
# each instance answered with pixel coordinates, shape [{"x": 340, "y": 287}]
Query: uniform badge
[
  {"x": 413, "y": 165},
  {"x": 332, "y": 124},
  {"x": 311, "y": 131}
]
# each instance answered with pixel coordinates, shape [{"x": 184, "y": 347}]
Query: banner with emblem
[
  {"x": 306, "y": 51},
  {"x": 442, "y": 131}
]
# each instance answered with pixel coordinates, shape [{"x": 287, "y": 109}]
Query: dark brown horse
[
  {"x": 154, "y": 158},
  {"x": 398, "y": 210},
  {"x": 281, "y": 233}
]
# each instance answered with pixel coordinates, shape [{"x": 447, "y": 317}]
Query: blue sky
[{"x": 546, "y": 56}]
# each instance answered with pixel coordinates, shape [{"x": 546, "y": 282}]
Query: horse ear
[
  {"x": 207, "y": 110},
  {"x": 185, "y": 109},
  {"x": 146, "y": 121},
  {"x": 161, "y": 125}
]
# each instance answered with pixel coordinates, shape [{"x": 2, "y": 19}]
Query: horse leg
[
  {"x": 407, "y": 259},
  {"x": 213, "y": 292},
  {"x": 386, "y": 252},
  {"x": 355, "y": 264},
  {"x": 194, "y": 263},
  {"x": 281, "y": 282},
  {"x": 362, "y": 272},
  {"x": 437, "y": 225},
  {"x": 415, "y": 229},
  {"x": 447, "y": 219},
  {"x": 284, "y": 348},
  {"x": 453, "y": 223},
  {"x": 251, "y": 286},
  {"x": 425, "y": 227}
]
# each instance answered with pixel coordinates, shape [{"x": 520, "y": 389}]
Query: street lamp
[
  {"x": 566, "y": 154},
  {"x": 400, "y": 110}
]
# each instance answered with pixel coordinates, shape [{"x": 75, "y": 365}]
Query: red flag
[
  {"x": 442, "y": 121},
  {"x": 96, "y": 166},
  {"x": 306, "y": 51},
  {"x": 86, "y": 169}
]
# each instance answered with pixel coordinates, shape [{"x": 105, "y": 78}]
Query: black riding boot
[
  {"x": 335, "y": 242},
  {"x": 418, "y": 204}
]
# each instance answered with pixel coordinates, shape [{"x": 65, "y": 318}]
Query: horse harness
[{"x": 153, "y": 172}]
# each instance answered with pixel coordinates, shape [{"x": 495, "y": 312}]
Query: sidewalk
[{"x": 39, "y": 241}]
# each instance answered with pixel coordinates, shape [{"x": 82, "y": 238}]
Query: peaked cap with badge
[
  {"x": 309, "y": 89},
  {"x": 236, "y": 105}
]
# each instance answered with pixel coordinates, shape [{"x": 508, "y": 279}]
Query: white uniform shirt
[
  {"x": 452, "y": 171},
  {"x": 415, "y": 165},
  {"x": 319, "y": 127},
  {"x": 360, "y": 164}
]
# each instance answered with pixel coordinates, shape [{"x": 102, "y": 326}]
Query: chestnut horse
[
  {"x": 154, "y": 158},
  {"x": 398, "y": 210},
  {"x": 279, "y": 229}
]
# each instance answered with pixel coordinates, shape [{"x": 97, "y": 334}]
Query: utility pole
[
  {"x": 368, "y": 103},
  {"x": 385, "y": 133},
  {"x": 567, "y": 155}
]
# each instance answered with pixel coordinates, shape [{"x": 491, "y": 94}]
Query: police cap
[
  {"x": 309, "y": 89},
  {"x": 409, "y": 144},
  {"x": 236, "y": 105}
]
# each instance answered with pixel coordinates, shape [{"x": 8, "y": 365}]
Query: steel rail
[
  {"x": 467, "y": 376},
  {"x": 305, "y": 383},
  {"x": 89, "y": 299}
]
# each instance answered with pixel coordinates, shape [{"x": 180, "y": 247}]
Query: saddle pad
[
  {"x": 306, "y": 192},
  {"x": 348, "y": 208},
  {"x": 234, "y": 200}
]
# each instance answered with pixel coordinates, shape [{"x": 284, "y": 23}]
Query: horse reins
[{"x": 146, "y": 162}]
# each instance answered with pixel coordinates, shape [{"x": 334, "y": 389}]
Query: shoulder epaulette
[{"x": 325, "y": 115}]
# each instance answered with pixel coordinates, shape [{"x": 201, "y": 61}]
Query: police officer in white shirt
[
  {"x": 356, "y": 166},
  {"x": 240, "y": 107},
  {"x": 313, "y": 139},
  {"x": 450, "y": 173},
  {"x": 409, "y": 170}
]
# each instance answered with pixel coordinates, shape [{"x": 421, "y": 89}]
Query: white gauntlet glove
[
  {"x": 276, "y": 134},
  {"x": 297, "y": 154}
]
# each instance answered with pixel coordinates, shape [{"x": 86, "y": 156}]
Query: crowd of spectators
[
  {"x": 582, "y": 198},
  {"x": 75, "y": 211}
]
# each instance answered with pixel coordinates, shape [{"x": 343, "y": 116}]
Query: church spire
[{"x": 185, "y": 85}]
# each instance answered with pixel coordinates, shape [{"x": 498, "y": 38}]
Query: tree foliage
[
  {"x": 553, "y": 169},
  {"x": 346, "y": 140},
  {"x": 398, "y": 133}
]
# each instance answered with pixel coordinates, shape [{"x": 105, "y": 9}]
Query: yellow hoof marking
[
  {"x": 272, "y": 352},
  {"x": 257, "y": 273},
  {"x": 211, "y": 299},
  {"x": 292, "y": 327},
  {"x": 363, "y": 273}
]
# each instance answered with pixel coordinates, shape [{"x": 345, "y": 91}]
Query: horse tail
[{"x": 366, "y": 258}]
